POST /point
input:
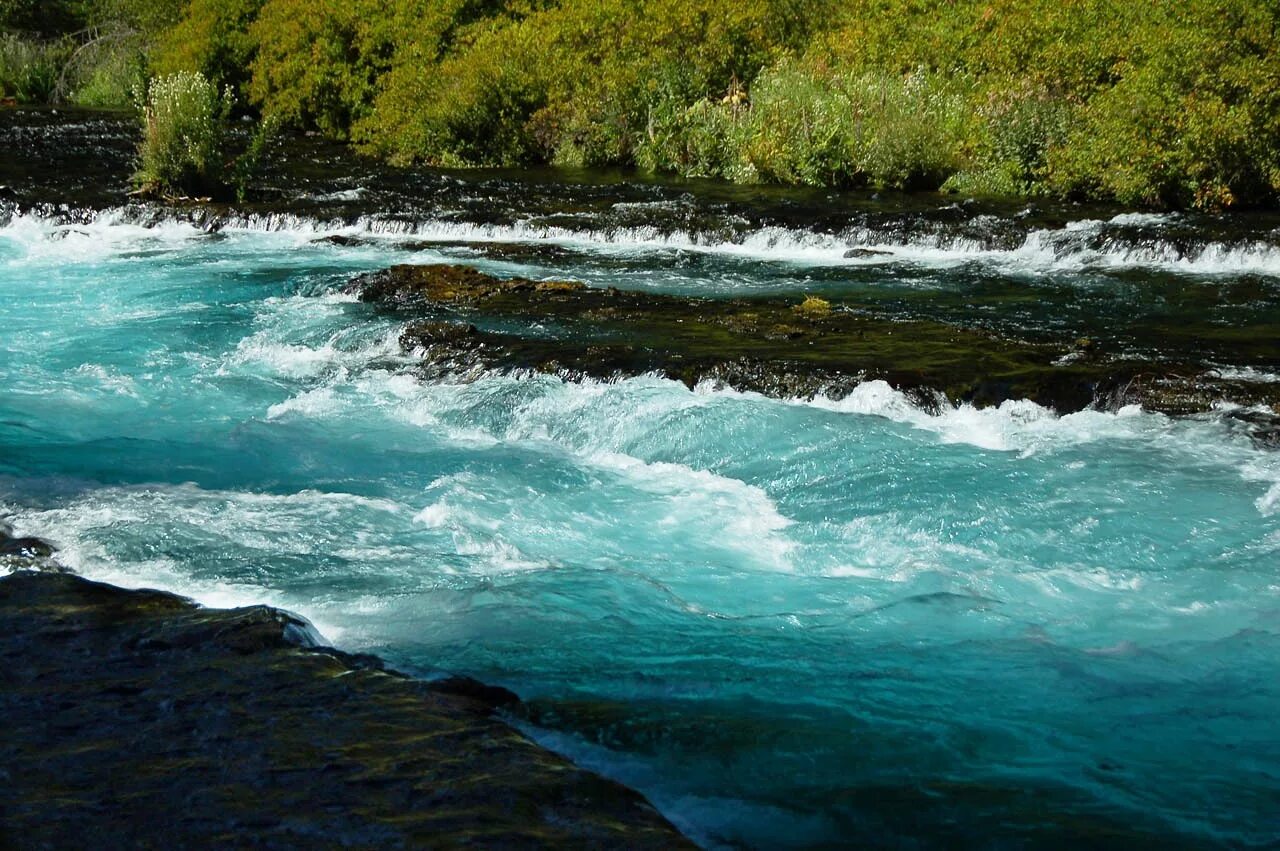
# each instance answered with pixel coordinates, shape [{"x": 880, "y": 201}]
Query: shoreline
[{"x": 140, "y": 717}]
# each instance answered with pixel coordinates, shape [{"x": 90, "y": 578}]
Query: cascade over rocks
[{"x": 770, "y": 346}]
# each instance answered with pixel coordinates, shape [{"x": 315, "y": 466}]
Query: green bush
[
  {"x": 576, "y": 83},
  {"x": 109, "y": 74},
  {"x": 703, "y": 140},
  {"x": 803, "y": 128},
  {"x": 470, "y": 109},
  {"x": 90, "y": 52},
  {"x": 213, "y": 38},
  {"x": 813, "y": 127},
  {"x": 1168, "y": 103},
  {"x": 318, "y": 62},
  {"x": 183, "y": 150},
  {"x": 1012, "y": 134},
  {"x": 30, "y": 70},
  {"x": 42, "y": 19},
  {"x": 1196, "y": 123}
]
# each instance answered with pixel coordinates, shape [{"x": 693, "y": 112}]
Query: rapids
[{"x": 789, "y": 622}]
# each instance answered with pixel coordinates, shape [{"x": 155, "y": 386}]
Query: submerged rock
[
  {"x": 777, "y": 346},
  {"x": 142, "y": 720},
  {"x": 25, "y": 547},
  {"x": 24, "y": 552},
  {"x": 455, "y": 285}
]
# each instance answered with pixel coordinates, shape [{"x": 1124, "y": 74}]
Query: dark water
[{"x": 789, "y": 622}]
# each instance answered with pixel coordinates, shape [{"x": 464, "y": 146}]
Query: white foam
[
  {"x": 1246, "y": 373},
  {"x": 284, "y": 320},
  {"x": 1079, "y": 246},
  {"x": 744, "y": 516},
  {"x": 41, "y": 240},
  {"x": 343, "y": 195},
  {"x": 1013, "y": 426},
  {"x": 302, "y": 524}
]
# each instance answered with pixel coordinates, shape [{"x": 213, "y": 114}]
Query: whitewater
[{"x": 789, "y": 622}]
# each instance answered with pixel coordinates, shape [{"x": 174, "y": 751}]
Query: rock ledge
[{"x": 143, "y": 720}]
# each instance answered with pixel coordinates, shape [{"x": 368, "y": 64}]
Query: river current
[{"x": 788, "y": 622}]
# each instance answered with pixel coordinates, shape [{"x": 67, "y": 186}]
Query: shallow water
[{"x": 790, "y": 622}]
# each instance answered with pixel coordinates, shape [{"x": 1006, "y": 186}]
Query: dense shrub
[
  {"x": 703, "y": 140},
  {"x": 183, "y": 148},
  {"x": 106, "y": 73},
  {"x": 820, "y": 129},
  {"x": 319, "y": 61},
  {"x": 1160, "y": 103},
  {"x": 41, "y": 18},
  {"x": 90, "y": 52},
  {"x": 1163, "y": 103},
  {"x": 212, "y": 37},
  {"x": 29, "y": 69},
  {"x": 574, "y": 83},
  {"x": 1196, "y": 122}
]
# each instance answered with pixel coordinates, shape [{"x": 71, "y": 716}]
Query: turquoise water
[{"x": 787, "y": 622}]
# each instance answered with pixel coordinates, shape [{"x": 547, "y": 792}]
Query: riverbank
[
  {"x": 1156, "y": 105},
  {"x": 139, "y": 718}
]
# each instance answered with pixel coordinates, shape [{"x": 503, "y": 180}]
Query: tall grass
[{"x": 29, "y": 68}]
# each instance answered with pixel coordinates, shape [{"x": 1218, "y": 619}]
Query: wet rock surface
[
  {"x": 24, "y": 552},
  {"x": 780, "y": 347},
  {"x": 142, "y": 720}
]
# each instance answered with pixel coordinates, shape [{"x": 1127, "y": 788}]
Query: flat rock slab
[
  {"x": 138, "y": 719},
  {"x": 469, "y": 322}
]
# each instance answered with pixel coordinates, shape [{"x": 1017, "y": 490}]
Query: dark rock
[
  {"x": 1263, "y": 426},
  {"x": 23, "y": 549},
  {"x": 493, "y": 697},
  {"x": 142, "y": 720},
  {"x": 862, "y": 253},
  {"x": 343, "y": 240},
  {"x": 449, "y": 285},
  {"x": 769, "y": 345},
  {"x": 422, "y": 334}
]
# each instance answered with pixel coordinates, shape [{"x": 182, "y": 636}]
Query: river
[{"x": 788, "y": 621}]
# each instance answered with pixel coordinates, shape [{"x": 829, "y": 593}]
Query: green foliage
[
  {"x": 41, "y": 18},
  {"x": 319, "y": 61},
  {"x": 1014, "y": 131},
  {"x": 886, "y": 130},
  {"x": 574, "y": 83},
  {"x": 107, "y": 73},
  {"x": 1168, "y": 103},
  {"x": 703, "y": 140},
  {"x": 213, "y": 38},
  {"x": 245, "y": 167},
  {"x": 1197, "y": 123},
  {"x": 150, "y": 17},
  {"x": 184, "y": 136},
  {"x": 90, "y": 52},
  {"x": 109, "y": 76},
  {"x": 1162, "y": 103},
  {"x": 29, "y": 70},
  {"x": 819, "y": 129}
]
